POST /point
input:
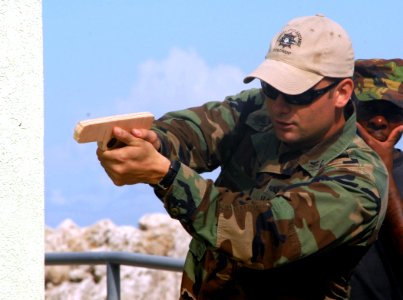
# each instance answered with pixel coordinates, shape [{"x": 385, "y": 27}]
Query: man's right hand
[
  {"x": 147, "y": 135},
  {"x": 137, "y": 162}
]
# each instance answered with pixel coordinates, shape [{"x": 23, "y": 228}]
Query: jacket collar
[{"x": 275, "y": 157}]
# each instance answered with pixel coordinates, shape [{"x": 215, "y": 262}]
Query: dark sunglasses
[{"x": 301, "y": 99}]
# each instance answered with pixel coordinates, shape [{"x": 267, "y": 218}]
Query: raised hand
[
  {"x": 138, "y": 162},
  {"x": 383, "y": 148}
]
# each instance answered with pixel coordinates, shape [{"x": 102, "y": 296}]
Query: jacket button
[{"x": 174, "y": 211}]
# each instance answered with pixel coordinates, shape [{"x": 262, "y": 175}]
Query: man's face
[
  {"x": 379, "y": 117},
  {"x": 303, "y": 126}
]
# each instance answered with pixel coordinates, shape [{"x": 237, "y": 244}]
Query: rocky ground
[{"x": 157, "y": 234}]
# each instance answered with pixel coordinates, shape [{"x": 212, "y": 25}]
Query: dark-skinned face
[{"x": 379, "y": 117}]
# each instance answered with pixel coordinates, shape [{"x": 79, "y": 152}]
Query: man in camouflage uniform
[
  {"x": 379, "y": 102},
  {"x": 300, "y": 196}
]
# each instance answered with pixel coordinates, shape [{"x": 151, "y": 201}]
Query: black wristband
[{"x": 169, "y": 177}]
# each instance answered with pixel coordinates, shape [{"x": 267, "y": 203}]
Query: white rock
[{"x": 157, "y": 234}]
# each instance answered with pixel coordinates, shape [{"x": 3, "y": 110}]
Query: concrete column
[{"x": 21, "y": 150}]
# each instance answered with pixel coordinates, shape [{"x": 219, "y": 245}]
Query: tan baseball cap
[{"x": 305, "y": 51}]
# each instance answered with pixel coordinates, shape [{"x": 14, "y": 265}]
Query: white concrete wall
[{"x": 21, "y": 150}]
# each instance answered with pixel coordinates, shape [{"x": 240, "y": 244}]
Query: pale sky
[{"x": 114, "y": 57}]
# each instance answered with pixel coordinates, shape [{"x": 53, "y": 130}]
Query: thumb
[
  {"x": 147, "y": 135},
  {"x": 395, "y": 135},
  {"x": 123, "y": 136}
]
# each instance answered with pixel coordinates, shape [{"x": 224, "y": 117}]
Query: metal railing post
[
  {"x": 113, "y": 281},
  {"x": 113, "y": 260}
]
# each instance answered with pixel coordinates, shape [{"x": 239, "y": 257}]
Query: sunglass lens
[
  {"x": 269, "y": 91},
  {"x": 301, "y": 99}
]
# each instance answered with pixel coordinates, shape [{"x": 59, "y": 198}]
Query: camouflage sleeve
[
  {"x": 201, "y": 137},
  {"x": 342, "y": 205},
  {"x": 345, "y": 203}
]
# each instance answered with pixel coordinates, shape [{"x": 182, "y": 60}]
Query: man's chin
[{"x": 290, "y": 141}]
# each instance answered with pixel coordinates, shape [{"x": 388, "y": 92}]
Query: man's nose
[
  {"x": 280, "y": 106},
  {"x": 378, "y": 122}
]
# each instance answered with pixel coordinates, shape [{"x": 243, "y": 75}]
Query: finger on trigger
[{"x": 122, "y": 135}]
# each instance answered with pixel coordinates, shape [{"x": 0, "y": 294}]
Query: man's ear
[{"x": 343, "y": 92}]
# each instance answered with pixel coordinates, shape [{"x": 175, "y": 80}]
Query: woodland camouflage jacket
[{"x": 276, "y": 222}]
